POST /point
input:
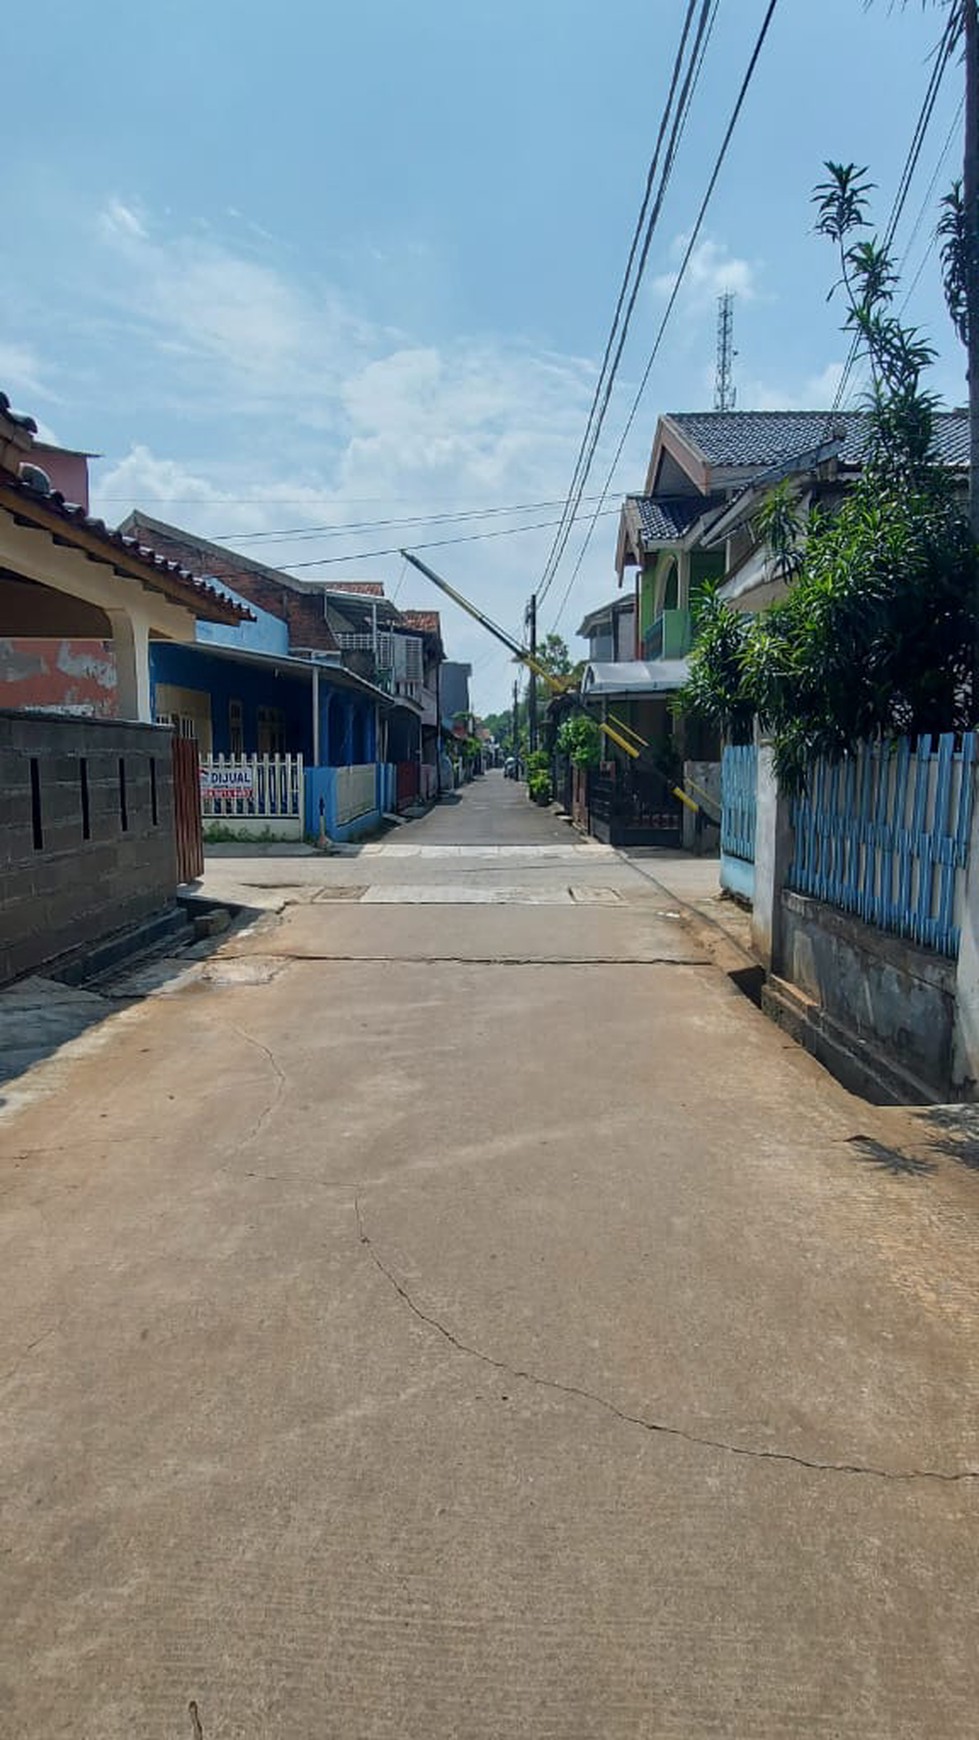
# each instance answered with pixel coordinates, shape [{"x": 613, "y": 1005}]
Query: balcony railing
[
  {"x": 354, "y": 642},
  {"x": 670, "y": 637}
]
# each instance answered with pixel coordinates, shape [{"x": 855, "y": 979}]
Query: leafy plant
[
  {"x": 877, "y": 631},
  {"x": 716, "y": 689},
  {"x": 580, "y": 739},
  {"x": 778, "y": 525},
  {"x": 539, "y": 788}
]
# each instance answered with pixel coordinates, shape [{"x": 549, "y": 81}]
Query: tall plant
[{"x": 876, "y": 633}]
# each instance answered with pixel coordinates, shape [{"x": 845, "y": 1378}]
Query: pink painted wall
[
  {"x": 68, "y": 471},
  {"x": 75, "y": 676}
]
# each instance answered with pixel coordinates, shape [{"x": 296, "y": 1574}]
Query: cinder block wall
[{"x": 86, "y": 833}]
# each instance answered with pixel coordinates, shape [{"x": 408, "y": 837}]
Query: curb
[{"x": 714, "y": 935}]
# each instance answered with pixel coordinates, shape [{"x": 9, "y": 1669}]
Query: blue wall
[
  {"x": 321, "y": 786},
  {"x": 267, "y": 634},
  {"x": 347, "y": 722}
]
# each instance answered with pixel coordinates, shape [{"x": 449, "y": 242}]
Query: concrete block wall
[{"x": 61, "y": 890}]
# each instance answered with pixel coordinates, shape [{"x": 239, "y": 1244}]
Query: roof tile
[
  {"x": 769, "y": 438},
  {"x": 181, "y": 584},
  {"x": 662, "y": 521}
]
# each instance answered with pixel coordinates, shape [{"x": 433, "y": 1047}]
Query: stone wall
[
  {"x": 879, "y": 1011},
  {"x": 86, "y": 833}
]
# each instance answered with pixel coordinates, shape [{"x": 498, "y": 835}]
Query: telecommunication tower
[{"x": 725, "y": 391}]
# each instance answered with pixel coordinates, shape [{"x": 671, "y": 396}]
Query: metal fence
[
  {"x": 885, "y": 835},
  {"x": 739, "y": 800}
]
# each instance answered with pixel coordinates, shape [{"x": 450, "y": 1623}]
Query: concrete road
[{"x": 456, "y": 1312}]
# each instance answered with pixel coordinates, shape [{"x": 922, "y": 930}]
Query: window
[
  {"x": 271, "y": 731},
  {"x": 236, "y": 728}
]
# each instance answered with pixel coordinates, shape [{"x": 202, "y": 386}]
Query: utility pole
[
  {"x": 970, "y": 200},
  {"x": 531, "y": 622},
  {"x": 516, "y": 719}
]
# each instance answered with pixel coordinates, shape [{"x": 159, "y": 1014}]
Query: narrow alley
[{"x": 454, "y": 1310}]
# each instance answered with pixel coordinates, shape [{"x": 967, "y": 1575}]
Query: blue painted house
[{"x": 247, "y": 693}]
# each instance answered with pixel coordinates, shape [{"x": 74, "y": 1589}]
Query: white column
[
  {"x": 131, "y": 640},
  {"x": 773, "y": 855}
]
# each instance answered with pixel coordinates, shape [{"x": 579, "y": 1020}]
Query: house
[
  {"x": 428, "y": 624},
  {"x": 709, "y": 472},
  {"x": 90, "y": 845},
  {"x": 693, "y": 525},
  {"x": 611, "y": 631}
]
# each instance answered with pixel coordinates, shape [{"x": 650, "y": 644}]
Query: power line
[
  {"x": 436, "y": 544},
  {"x": 684, "y": 263},
  {"x": 945, "y": 47},
  {"x": 301, "y": 534},
  {"x": 672, "y": 120}
]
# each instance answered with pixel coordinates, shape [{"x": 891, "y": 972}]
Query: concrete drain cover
[{"x": 595, "y": 896}]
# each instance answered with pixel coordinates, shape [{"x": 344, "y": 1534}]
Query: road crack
[
  {"x": 661, "y": 1428},
  {"x": 278, "y": 1092}
]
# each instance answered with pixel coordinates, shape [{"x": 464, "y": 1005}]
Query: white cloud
[
  {"x": 22, "y": 372},
  {"x": 118, "y": 219},
  {"x": 712, "y": 271},
  {"x": 239, "y": 330},
  {"x": 304, "y": 413}
]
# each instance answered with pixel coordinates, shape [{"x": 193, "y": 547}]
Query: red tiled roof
[
  {"x": 52, "y": 513},
  {"x": 426, "y": 621},
  {"x": 363, "y": 588}
]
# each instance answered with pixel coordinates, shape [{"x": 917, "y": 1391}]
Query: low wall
[
  {"x": 341, "y": 790},
  {"x": 883, "y": 1009},
  {"x": 86, "y": 833}
]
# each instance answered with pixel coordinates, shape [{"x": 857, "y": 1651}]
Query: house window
[
  {"x": 236, "y": 728},
  {"x": 271, "y": 731},
  {"x": 188, "y": 711}
]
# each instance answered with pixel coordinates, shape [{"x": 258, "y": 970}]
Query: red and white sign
[{"x": 227, "y": 782}]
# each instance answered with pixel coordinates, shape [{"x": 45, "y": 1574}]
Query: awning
[
  {"x": 336, "y": 675},
  {"x": 634, "y": 677}
]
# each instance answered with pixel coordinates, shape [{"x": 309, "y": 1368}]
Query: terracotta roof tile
[
  {"x": 175, "y": 581},
  {"x": 362, "y": 588},
  {"x": 426, "y": 621}
]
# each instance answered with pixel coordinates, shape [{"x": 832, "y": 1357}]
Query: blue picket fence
[
  {"x": 739, "y": 802},
  {"x": 885, "y": 834}
]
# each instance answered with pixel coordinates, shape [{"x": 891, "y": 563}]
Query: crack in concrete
[
  {"x": 490, "y": 960},
  {"x": 661, "y": 1428},
  {"x": 280, "y": 1084},
  {"x": 29, "y": 1349}
]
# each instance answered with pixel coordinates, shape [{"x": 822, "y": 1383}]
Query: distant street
[{"x": 453, "y": 1312}]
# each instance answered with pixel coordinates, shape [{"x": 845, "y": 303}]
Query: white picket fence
[{"x": 252, "y": 794}]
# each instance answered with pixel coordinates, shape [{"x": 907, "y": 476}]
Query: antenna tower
[{"x": 725, "y": 391}]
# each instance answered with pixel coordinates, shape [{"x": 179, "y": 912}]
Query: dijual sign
[{"x": 227, "y": 782}]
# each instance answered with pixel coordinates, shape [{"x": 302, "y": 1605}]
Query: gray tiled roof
[
  {"x": 661, "y": 520},
  {"x": 762, "y": 438}
]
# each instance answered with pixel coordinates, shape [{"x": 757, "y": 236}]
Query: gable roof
[
  {"x": 206, "y": 554},
  {"x": 425, "y": 621},
  {"x": 664, "y": 521},
  {"x": 743, "y": 439},
  {"x": 69, "y": 524}
]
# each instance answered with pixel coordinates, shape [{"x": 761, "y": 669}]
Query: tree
[{"x": 876, "y": 634}]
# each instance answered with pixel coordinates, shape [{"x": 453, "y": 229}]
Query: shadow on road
[{"x": 946, "y": 1133}]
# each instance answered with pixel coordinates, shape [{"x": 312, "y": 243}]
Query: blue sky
[{"x": 319, "y": 264}]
